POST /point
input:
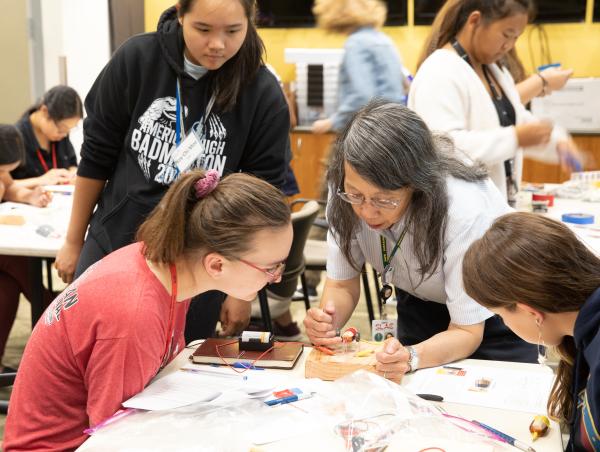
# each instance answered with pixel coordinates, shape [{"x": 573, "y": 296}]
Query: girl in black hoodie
[{"x": 201, "y": 72}]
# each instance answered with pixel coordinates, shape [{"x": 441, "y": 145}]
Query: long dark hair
[
  {"x": 453, "y": 15},
  {"x": 62, "y": 102},
  {"x": 223, "y": 221},
  {"x": 240, "y": 69},
  {"x": 540, "y": 262},
  {"x": 391, "y": 147}
]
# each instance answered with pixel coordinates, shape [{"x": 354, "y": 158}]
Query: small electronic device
[{"x": 256, "y": 341}]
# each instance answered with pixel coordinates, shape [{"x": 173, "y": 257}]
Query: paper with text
[{"x": 493, "y": 387}]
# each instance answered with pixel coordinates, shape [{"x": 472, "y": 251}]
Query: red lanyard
[
  {"x": 43, "y": 162},
  {"x": 170, "y": 332}
]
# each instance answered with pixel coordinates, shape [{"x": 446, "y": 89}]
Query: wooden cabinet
[
  {"x": 309, "y": 162},
  {"x": 537, "y": 172}
]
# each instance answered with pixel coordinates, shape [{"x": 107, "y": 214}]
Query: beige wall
[{"x": 15, "y": 89}]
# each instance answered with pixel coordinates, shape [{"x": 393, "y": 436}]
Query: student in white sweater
[{"x": 459, "y": 89}]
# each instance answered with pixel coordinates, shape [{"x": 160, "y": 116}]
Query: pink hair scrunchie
[{"x": 206, "y": 184}]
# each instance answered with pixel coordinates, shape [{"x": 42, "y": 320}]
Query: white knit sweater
[{"x": 451, "y": 98}]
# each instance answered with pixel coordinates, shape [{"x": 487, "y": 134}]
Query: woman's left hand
[{"x": 392, "y": 360}]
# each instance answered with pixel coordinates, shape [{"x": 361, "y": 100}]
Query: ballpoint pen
[
  {"x": 505, "y": 438},
  {"x": 289, "y": 399}
]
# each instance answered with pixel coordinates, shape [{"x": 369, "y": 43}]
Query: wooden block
[
  {"x": 12, "y": 220},
  {"x": 327, "y": 367}
]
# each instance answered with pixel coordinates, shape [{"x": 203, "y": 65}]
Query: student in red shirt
[{"x": 104, "y": 338}]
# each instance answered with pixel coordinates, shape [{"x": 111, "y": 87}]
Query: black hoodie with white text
[{"x": 129, "y": 130}]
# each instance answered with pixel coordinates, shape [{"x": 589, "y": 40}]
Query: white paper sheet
[
  {"x": 493, "y": 387},
  {"x": 195, "y": 384}
]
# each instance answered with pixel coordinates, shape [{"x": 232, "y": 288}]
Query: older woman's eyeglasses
[
  {"x": 272, "y": 272},
  {"x": 358, "y": 199}
]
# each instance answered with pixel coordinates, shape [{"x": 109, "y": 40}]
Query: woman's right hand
[
  {"x": 56, "y": 176},
  {"x": 319, "y": 327},
  {"x": 66, "y": 261},
  {"x": 533, "y": 133}
]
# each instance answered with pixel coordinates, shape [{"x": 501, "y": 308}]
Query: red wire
[{"x": 218, "y": 346}]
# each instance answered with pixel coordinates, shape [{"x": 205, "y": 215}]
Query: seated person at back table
[{"x": 49, "y": 155}]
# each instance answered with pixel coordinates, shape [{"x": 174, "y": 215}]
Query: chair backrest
[{"x": 294, "y": 265}]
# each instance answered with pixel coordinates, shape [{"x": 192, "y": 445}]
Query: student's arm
[
  {"x": 108, "y": 107},
  {"x": 54, "y": 176},
  {"x": 86, "y": 195},
  {"x": 534, "y": 86},
  {"x": 13, "y": 192}
]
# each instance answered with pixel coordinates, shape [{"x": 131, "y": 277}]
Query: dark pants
[
  {"x": 418, "y": 320},
  {"x": 204, "y": 311},
  {"x": 203, "y": 315},
  {"x": 15, "y": 280}
]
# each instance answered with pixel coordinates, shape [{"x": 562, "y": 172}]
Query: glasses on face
[
  {"x": 272, "y": 272},
  {"x": 358, "y": 199}
]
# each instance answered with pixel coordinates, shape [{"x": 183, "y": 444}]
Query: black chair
[
  {"x": 6, "y": 379},
  {"x": 294, "y": 265}
]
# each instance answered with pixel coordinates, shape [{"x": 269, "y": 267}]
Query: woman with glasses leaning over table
[{"x": 404, "y": 203}]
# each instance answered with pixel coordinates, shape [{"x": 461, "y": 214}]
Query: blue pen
[
  {"x": 574, "y": 163},
  {"x": 547, "y": 66},
  {"x": 241, "y": 365},
  {"x": 289, "y": 399},
  {"x": 506, "y": 438}
]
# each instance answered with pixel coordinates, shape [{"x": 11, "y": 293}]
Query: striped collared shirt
[{"x": 472, "y": 208}]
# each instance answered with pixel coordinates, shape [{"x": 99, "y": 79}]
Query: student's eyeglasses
[
  {"x": 272, "y": 272},
  {"x": 358, "y": 199}
]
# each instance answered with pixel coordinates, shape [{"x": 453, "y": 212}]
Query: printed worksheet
[{"x": 493, "y": 387}]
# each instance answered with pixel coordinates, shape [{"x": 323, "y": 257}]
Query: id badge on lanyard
[{"x": 192, "y": 146}]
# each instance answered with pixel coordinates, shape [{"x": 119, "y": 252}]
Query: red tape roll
[{"x": 543, "y": 197}]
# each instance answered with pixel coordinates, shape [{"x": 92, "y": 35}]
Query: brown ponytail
[
  {"x": 540, "y": 262},
  {"x": 223, "y": 221},
  {"x": 453, "y": 15}
]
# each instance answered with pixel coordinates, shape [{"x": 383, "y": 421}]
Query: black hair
[
  {"x": 62, "y": 102},
  {"x": 12, "y": 149},
  {"x": 240, "y": 69}
]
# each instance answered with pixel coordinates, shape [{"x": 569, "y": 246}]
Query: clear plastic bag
[{"x": 360, "y": 412}]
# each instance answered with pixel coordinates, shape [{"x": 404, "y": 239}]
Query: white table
[
  {"x": 25, "y": 241},
  {"x": 513, "y": 423},
  {"x": 589, "y": 234}
]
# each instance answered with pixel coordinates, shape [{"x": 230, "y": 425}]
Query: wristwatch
[{"x": 413, "y": 358}]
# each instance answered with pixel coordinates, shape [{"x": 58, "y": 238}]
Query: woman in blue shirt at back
[{"x": 371, "y": 66}]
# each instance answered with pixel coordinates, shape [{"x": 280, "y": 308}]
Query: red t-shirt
[{"x": 98, "y": 344}]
